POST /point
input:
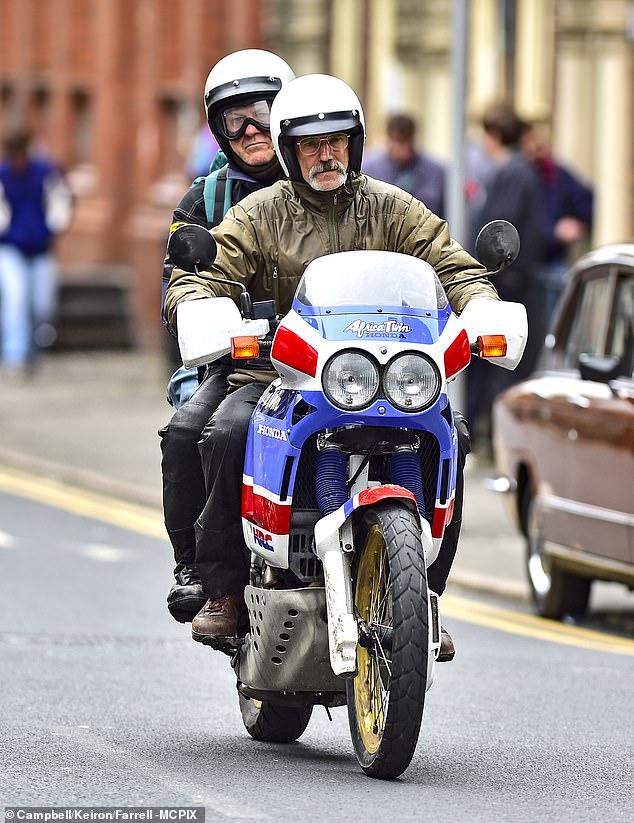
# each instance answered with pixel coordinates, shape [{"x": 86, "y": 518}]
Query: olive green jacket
[{"x": 270, "y": 237}]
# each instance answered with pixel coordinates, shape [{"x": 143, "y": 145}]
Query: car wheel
[{"x": 555, "y": 592}]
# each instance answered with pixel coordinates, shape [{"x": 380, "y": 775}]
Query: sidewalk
[{"x": 91, "y": 420}]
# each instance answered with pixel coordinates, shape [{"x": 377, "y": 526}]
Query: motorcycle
[{"x": 349, "y": 481}]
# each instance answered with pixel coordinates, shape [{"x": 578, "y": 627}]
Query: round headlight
[
  {"x": 411, "y": 382},
  {"x": 350, "y": 380}
]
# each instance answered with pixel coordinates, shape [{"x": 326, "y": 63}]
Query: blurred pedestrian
[
  {"x": 404, "y": 165},
  {"x": 566, "y": 216},
  {"x": 511, "y": 192},
  {"x": 35, "y": 205}
]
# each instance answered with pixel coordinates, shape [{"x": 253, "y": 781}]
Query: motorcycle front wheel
[
  {"x": 273, "y": 723},
  {"x": 386, "y": 698}
]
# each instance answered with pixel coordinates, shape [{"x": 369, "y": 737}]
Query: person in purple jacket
[
  {"x": 35, "y": 205},
  {"x": 405, "y": 166}
]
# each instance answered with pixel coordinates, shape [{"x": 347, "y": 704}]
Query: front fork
[
  {"x": 333, "y": 544},
  {"x": 334, "y": 547},
  {"x": 433, "y": 616}
]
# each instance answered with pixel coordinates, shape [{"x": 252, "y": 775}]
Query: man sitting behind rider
[
  {"x": 266, "y": 242},
  {"x": 239, "y": 92}
]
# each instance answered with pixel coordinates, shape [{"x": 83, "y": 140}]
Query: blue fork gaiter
[
  {"x": 330, "y": 480},
  {"x": 406, "y": 472}
]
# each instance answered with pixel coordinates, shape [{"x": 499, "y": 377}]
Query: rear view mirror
[
  {"x": 497, "y": 245},
  {"x": 191, "y": 247}
]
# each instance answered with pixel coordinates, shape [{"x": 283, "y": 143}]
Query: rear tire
[
  {"x": 273, "y": 723},
  {"x": 387, "y": 697},
  {"x": 555, "y": 592}
]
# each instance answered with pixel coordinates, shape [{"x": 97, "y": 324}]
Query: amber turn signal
[
  {"x": 491, "y": 345},
  {"x": 244, "y": 348}
]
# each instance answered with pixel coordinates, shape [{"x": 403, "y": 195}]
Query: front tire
[
  {"x": 555, "y": 592},
  {"x": 386, "y": 698},
  {"x": 273, "y": 723}
]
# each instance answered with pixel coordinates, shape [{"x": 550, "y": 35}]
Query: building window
[
  {"x": 172, "y": 116},
  {"x": 81, "y": 127},
  {"x": 40, "y": 111},
  {"x": 7, "y": 105}
]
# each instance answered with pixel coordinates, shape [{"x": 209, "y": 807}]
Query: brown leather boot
[
  {"x": 223, "y": 617},
  {"x": 447, "y": 650}
]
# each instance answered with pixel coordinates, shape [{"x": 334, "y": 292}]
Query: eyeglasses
[
  {"x": 235, "y": 119},
  {"x": 309, "y": 146}
]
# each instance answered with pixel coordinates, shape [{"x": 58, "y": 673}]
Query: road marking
[
  {"x": 105, "y": 554},
  {"x": 527, "y": 625},
  {"x": 141, "y": 519},
  {"x": 148, "y": 521}
]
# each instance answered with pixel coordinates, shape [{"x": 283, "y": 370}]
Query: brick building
[{"x": 113, "y": 89}]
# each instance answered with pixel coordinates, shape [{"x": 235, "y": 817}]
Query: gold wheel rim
[{"x": 374, "y": 606}]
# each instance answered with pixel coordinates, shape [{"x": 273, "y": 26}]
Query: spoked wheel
[
  {"x": 272, "y": 723},
  {"x": 386, "y": 698}
]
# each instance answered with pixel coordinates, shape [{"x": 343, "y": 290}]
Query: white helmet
[
  {"x": 316, "y": 104},
  {"x": 246, "y": 76}
]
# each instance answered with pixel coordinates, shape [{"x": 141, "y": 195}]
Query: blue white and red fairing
[{"x": 381, "y": 304}]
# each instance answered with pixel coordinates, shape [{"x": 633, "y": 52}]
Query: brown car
[{"x": 564, "y": 439}]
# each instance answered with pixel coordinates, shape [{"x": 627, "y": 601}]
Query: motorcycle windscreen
[{"x": 380, "y": 279}]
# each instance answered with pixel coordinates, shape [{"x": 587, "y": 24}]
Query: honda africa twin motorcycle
[{"x": 349, "y": 482}]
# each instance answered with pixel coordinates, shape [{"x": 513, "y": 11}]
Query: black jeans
[
  {"x": 184, "y": 492},
  {"x": 222, "y": 557}
]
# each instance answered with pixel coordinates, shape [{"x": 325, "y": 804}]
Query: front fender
[{"x": 367, "y": 497}]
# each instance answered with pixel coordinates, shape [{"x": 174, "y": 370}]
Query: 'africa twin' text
[{"x": 388, "y": 328}]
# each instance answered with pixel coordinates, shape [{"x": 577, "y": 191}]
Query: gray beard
[{"x": 325, "y": 165}]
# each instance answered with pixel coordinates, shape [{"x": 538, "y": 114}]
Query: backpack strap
[
  {"x": 220, "y": 160},
  {"x": 217, "y": 194}
]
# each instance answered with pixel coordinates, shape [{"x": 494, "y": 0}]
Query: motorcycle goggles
[{"x": 233, "y": 121}]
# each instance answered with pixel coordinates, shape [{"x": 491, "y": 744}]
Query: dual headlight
[{"x": 351, "y": 380}]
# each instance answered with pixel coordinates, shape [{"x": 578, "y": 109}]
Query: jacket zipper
[
  {"x": 332, "y": 226},
  {"x": 276, "y": 289}
]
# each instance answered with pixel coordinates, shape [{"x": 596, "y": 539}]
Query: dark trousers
[
  {"x": 222, "y": 557},
  {"x": 184, "y": 491}
]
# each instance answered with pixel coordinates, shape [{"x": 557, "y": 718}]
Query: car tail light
[
  {"x": 457, "y": 355},
  {"x": 491, "y": 345},
  {"x": 292, "y": 350},
  {"x": 244, "y": 348}
]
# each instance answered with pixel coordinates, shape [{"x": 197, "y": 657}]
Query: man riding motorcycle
[
  {"x": 266, "y": 242},
  {"x": 239, "y": 92}
]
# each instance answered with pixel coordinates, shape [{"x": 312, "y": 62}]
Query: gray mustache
[{"x": 327, "y": 165}]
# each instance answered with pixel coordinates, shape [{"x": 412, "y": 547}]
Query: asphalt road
[{"x": 106, "y": 701}]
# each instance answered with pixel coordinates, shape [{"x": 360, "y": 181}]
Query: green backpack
[{"x": 217, "y": 190}]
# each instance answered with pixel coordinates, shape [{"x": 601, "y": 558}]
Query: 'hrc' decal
[{"x": 263, "y": 539}]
